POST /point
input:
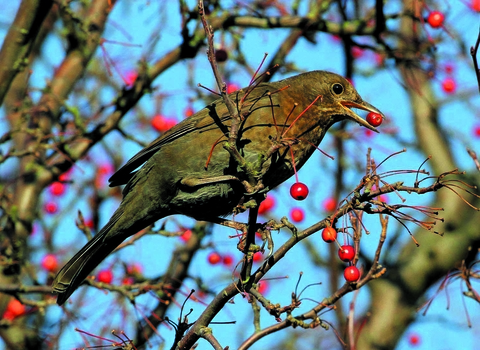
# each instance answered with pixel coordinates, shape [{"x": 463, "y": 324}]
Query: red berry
[
  {"x": 297, "y": 215},
  {"x": 51, "y": 207},
  {"x": 89, "y": 223},
  {"x": 346, "y": 252},
  {"x": 130, "y": 77},
  {"x": 299, "y": 191},
  {"x": 475, "y": 5},
  {"x": 357, "y": 52},
  {"x": 14, "y": 309},
  {"x": 227, "y": 260},
  {"x": 8, "y": 315},
  {"x": 414, "y": 339},
  {"x": 105, "y": 276},
  {"x": 127, "y": 281},
  {"x": 189, "y": 111},
  {"x": 476, "y": 131},
  {"x": 214, "y": 258},
  {"x": 267, "y": 204},
  {"x": 374, "y": 119},
  {"x": 186, "y": 235},
  {"x": 161, "y": 123},
  {"x": 368, "y": 132},
  {"x": 200, "y": 294},
  {"x": 100, "y": 181},
  {"x": 158, "y": 123},
  {"x": 449, "y": 85},
  {"x": 105, "y": 169},
  {"x": 57, "y": 188},
  {"x": 351, "y": 274},
  {"x": 103, "y": 173},
  {"x": 257, "y": 256},
  {"x": 262, "y": 287},
  {"x": 134, "y": 269},
  {"x": 449, "y": 67},
  {"x": 65, "y": 176},
  {"x": 221, "y": 55},
  {"x": 379, "y": 59},
  {"x": 329, "y": 234},
  {"x": 50, "y": 262},
  {"x": 330, "y": 204},
  {"x": 435, "y": 19},
  {"x": 232, "y": 88}
]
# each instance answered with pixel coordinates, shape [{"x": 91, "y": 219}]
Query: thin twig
[
  {"x": 233, "y": 133},
  {"x": 473, "y": 52}
]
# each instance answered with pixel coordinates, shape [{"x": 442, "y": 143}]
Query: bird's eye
[{"x": 337, "y": 89}]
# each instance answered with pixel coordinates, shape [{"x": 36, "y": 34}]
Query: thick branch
[{"x": 20, "y": 39}]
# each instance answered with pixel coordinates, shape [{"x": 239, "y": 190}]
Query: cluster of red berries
[
  {"x": 346, "y": 253},
  {"x": 299, "y": 191},
  {"x": 215, "y": 258},
  {"x": 436, "y": 19},
  {"x": 56, "y": 189},
  {"x": 297, "y": 215},
  {"x": 449, "y": 84},
  {"x": 132, "y": 271}
]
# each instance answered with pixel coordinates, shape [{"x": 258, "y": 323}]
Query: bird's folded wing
[{"x": 213, "y": 116}]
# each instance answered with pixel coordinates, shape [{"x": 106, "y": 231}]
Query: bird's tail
[{"x": 82, "y": 264}]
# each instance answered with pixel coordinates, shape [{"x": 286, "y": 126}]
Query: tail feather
[{"x": 85, "y": 261}]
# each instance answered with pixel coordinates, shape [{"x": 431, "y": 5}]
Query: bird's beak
[{"x": 362, "y": 105}]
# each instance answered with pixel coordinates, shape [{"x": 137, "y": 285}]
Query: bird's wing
[
  {"x": 122, "y": 175},
  {"x": 214, "y": 115}
]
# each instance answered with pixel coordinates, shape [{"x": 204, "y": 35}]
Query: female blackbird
[{"x": 188, "y": 170}]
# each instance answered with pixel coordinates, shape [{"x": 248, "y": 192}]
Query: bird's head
[{"x": 338, "y": 97}]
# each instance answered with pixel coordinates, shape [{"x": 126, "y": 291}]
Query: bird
[{"x": 189, "y": 170}]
